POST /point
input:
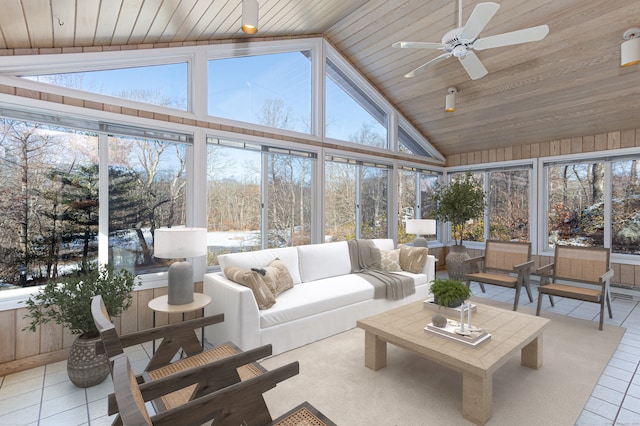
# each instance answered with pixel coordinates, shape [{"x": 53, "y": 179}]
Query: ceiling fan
[{"x": 462, "y": 41}]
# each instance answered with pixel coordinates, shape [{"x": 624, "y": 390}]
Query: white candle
[
  {"x": 462, "y": 317},
  {"x": 469, "y": 316}
]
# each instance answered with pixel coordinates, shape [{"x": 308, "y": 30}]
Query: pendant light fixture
[
  {"x": 450, "y": 101},
  {"x": 630, "y": 49},
  {"x": 250, "y": 16}
]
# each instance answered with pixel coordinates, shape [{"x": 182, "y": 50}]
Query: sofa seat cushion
[
  {"x": 418, "y": 279},
  {"x": 314, "y": 297}
]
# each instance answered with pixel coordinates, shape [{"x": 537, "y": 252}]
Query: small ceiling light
[
  {"x": 630, "y": 49},
  {"x": 450, "y": 102},
  {"x": 250, "y": 16}
]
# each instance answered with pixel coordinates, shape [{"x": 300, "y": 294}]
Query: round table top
[{"x": 160, "y": 304}]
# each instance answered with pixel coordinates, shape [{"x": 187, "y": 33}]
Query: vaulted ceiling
[{"x": 569, "y": 84}]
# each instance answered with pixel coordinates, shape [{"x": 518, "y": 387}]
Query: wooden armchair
[
  {"x": 581, "y": 273},
  {"x": 232, "y": 405},
  {"x": 506, "y": 264},
  {"x": 212, "y": 369}
]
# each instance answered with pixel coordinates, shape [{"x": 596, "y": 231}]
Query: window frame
[{"x": 486, "y": 168}]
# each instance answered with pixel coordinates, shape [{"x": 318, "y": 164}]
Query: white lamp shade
[
  {"x": 178, "y": 243},
  {"x": 250, "y": 16},
  {"x": 630, "y": 52},
  {"x": 421, "y": 226}
]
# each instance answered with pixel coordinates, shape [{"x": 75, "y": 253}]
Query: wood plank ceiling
[{"x": 568, "y": 85}]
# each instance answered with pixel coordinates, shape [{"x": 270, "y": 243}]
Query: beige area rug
[{"x": 412, "y": 391}]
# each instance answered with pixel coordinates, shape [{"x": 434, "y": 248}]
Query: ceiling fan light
[
  {"x": 630, "y": 52},
  {"x": 250, "y": 16},
  {"x": 450, "y": 100}
]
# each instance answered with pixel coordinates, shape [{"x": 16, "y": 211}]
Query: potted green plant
[
  {"x": 458, "y": 202},
  {"x": 449, "y": 292},
  {"x": 68, "y": 302}
]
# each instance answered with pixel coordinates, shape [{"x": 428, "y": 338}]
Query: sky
[{"x": 237, "y": 89}]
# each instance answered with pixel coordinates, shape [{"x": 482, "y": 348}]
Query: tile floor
[{"x": 44, "y": 396}]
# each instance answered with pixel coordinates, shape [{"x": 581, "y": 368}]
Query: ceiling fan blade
[
  {"x": 424, "y": 66},
  {"x": 473, "y": 66},
  {"x": 514, "y": 37},
  {"x": 417, "y": 45},
  {"x": 480, "y": 17}
]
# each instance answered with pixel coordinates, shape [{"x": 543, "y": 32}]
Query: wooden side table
[{"x": 161, "y": 304}]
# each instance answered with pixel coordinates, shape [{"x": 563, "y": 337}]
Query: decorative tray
[{"x": 472, "y": 337}]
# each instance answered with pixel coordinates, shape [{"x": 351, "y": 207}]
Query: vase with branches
[
  {"x": 458, "y": 202},
  {"x": 67, "y": 302}
]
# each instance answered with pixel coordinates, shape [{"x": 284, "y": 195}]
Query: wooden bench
[
  {"x": 505, "y": 264},
  {"x": 581, "y": 273}
]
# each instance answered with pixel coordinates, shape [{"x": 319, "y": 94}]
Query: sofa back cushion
[
  {"x": 318, "y": 261},
  {"x": 262, "y": 258},
  {"x": 383, "y": 243}
]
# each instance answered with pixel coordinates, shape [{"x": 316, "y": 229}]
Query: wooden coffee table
[{"x": 510, "y": 332}]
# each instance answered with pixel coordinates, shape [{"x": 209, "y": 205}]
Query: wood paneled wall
[
  {"x": 22, "y": 349},
  {"x": 629, "y": 138}
]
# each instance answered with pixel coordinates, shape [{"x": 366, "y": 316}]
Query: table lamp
[
  {"x": 180, "y": 243},
  {"x": 420, "y": 227}
]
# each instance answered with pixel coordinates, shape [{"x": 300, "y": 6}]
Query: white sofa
[{"x": 326, "y": 298}]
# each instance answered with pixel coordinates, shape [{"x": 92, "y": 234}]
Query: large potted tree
[
  {"x": 458, "y": 202},
  {"x": 67, "y": 301}
]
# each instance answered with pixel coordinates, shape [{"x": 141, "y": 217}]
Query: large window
[
  {"x": 340, "y": 200},
  {"x": 234, "y": 200},
  {"x": 49, "y": 203},
  {"x": 355, "y": 199},
  {"x": 93, "y": 184},
  {"x": 509, "y": 205},
  {"x": 163, "y": 85},
  {"x": 147, "y": 179},
  {"x": 289, "y": 199},
  {"x": 415, "y": 192},
  {"x": 474, "y": 228},
  {"x": 238, "y": 174},
  {"x": 575, "y": 192},
  {"x": 579, "y": 213},
  {"x": 409, "y": 144},
  {"x": 351, "y": 115},
  {"x": 407, "y": 184},
  {"x": 625, "y": 211},
  {"x": 372, "y": 205},
  {"x": 272, "y": 90}
]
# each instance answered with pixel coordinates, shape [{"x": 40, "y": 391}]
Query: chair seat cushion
[
  {"x": 574, "y": 292},
  {"x": 304, "y": 414},
  {"x": 182, "y": 396},
  {"x": 492, "y": 278}
]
